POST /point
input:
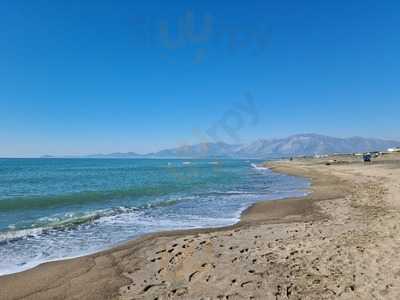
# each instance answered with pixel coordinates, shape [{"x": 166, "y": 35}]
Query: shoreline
[
  {"x": 271, "y": 238},
  {"x": 240, "y": 216},
  {"x": 246, "y": 217}
]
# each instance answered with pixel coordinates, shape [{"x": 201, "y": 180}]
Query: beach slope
[{"x": 340, "y": 242}]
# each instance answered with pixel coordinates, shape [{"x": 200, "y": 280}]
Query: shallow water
[{"x": 56, "y": 208}]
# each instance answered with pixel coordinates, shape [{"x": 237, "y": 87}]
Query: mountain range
[{"x": 295, "y": 145}]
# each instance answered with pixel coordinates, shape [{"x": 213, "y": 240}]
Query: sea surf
[{"x": 52, "y": 209}]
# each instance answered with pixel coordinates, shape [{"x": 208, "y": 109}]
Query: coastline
[
  {"x": 227, "y": 219},
  {"x": 184, "y": 264}
]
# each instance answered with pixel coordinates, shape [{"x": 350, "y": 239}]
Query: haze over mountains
[{"x": 296, "y": 145}]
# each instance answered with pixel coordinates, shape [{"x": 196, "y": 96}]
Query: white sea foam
[
  {"x": 17, "y": 234},
  {"x": 258, "y": 167}
]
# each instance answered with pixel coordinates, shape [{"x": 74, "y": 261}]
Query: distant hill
[
  {"x": 312, "y": 144},
  {"x": 295, "y": 145},
  {"x": 200, "y": 150}
]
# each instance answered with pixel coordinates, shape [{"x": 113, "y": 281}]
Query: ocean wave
[
  {"x": 40, "y": 202},
  {"x": 72, "y": 220},
  {"x": 67, "y": 222},
  {"x": 227, "y": 193},
  {"x": 258, "y": 167}
]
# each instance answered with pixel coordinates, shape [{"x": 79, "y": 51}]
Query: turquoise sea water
[{"x": 57, "y": 208}]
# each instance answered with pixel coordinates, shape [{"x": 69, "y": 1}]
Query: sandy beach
[{"x": 340, "y": 242}]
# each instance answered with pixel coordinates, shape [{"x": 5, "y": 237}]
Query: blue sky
[{"x": 104, "y": 76}]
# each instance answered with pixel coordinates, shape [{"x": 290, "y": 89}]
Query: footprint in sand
[
  {"x": 176, "y": 258},
  {"x": 193, "y": 275},
  {"x": 156, "y": 259}
]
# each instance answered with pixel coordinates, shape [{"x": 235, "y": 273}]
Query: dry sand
[{"x": 341, "y": 242}]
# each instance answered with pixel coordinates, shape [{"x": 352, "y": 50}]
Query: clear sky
[{"x": 104, "y": 76}]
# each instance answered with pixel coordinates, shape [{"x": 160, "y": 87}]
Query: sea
[{"x": 52, "y": 209}]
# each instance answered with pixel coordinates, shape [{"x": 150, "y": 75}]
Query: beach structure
[
  {"x": 392, "y": 150},
  {"x": 375, "y": 154}
]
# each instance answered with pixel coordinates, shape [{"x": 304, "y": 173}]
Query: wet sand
[{"x": 340, "y": 242}]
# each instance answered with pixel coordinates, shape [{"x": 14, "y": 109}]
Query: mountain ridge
[{"x": 306, "y": 144}]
